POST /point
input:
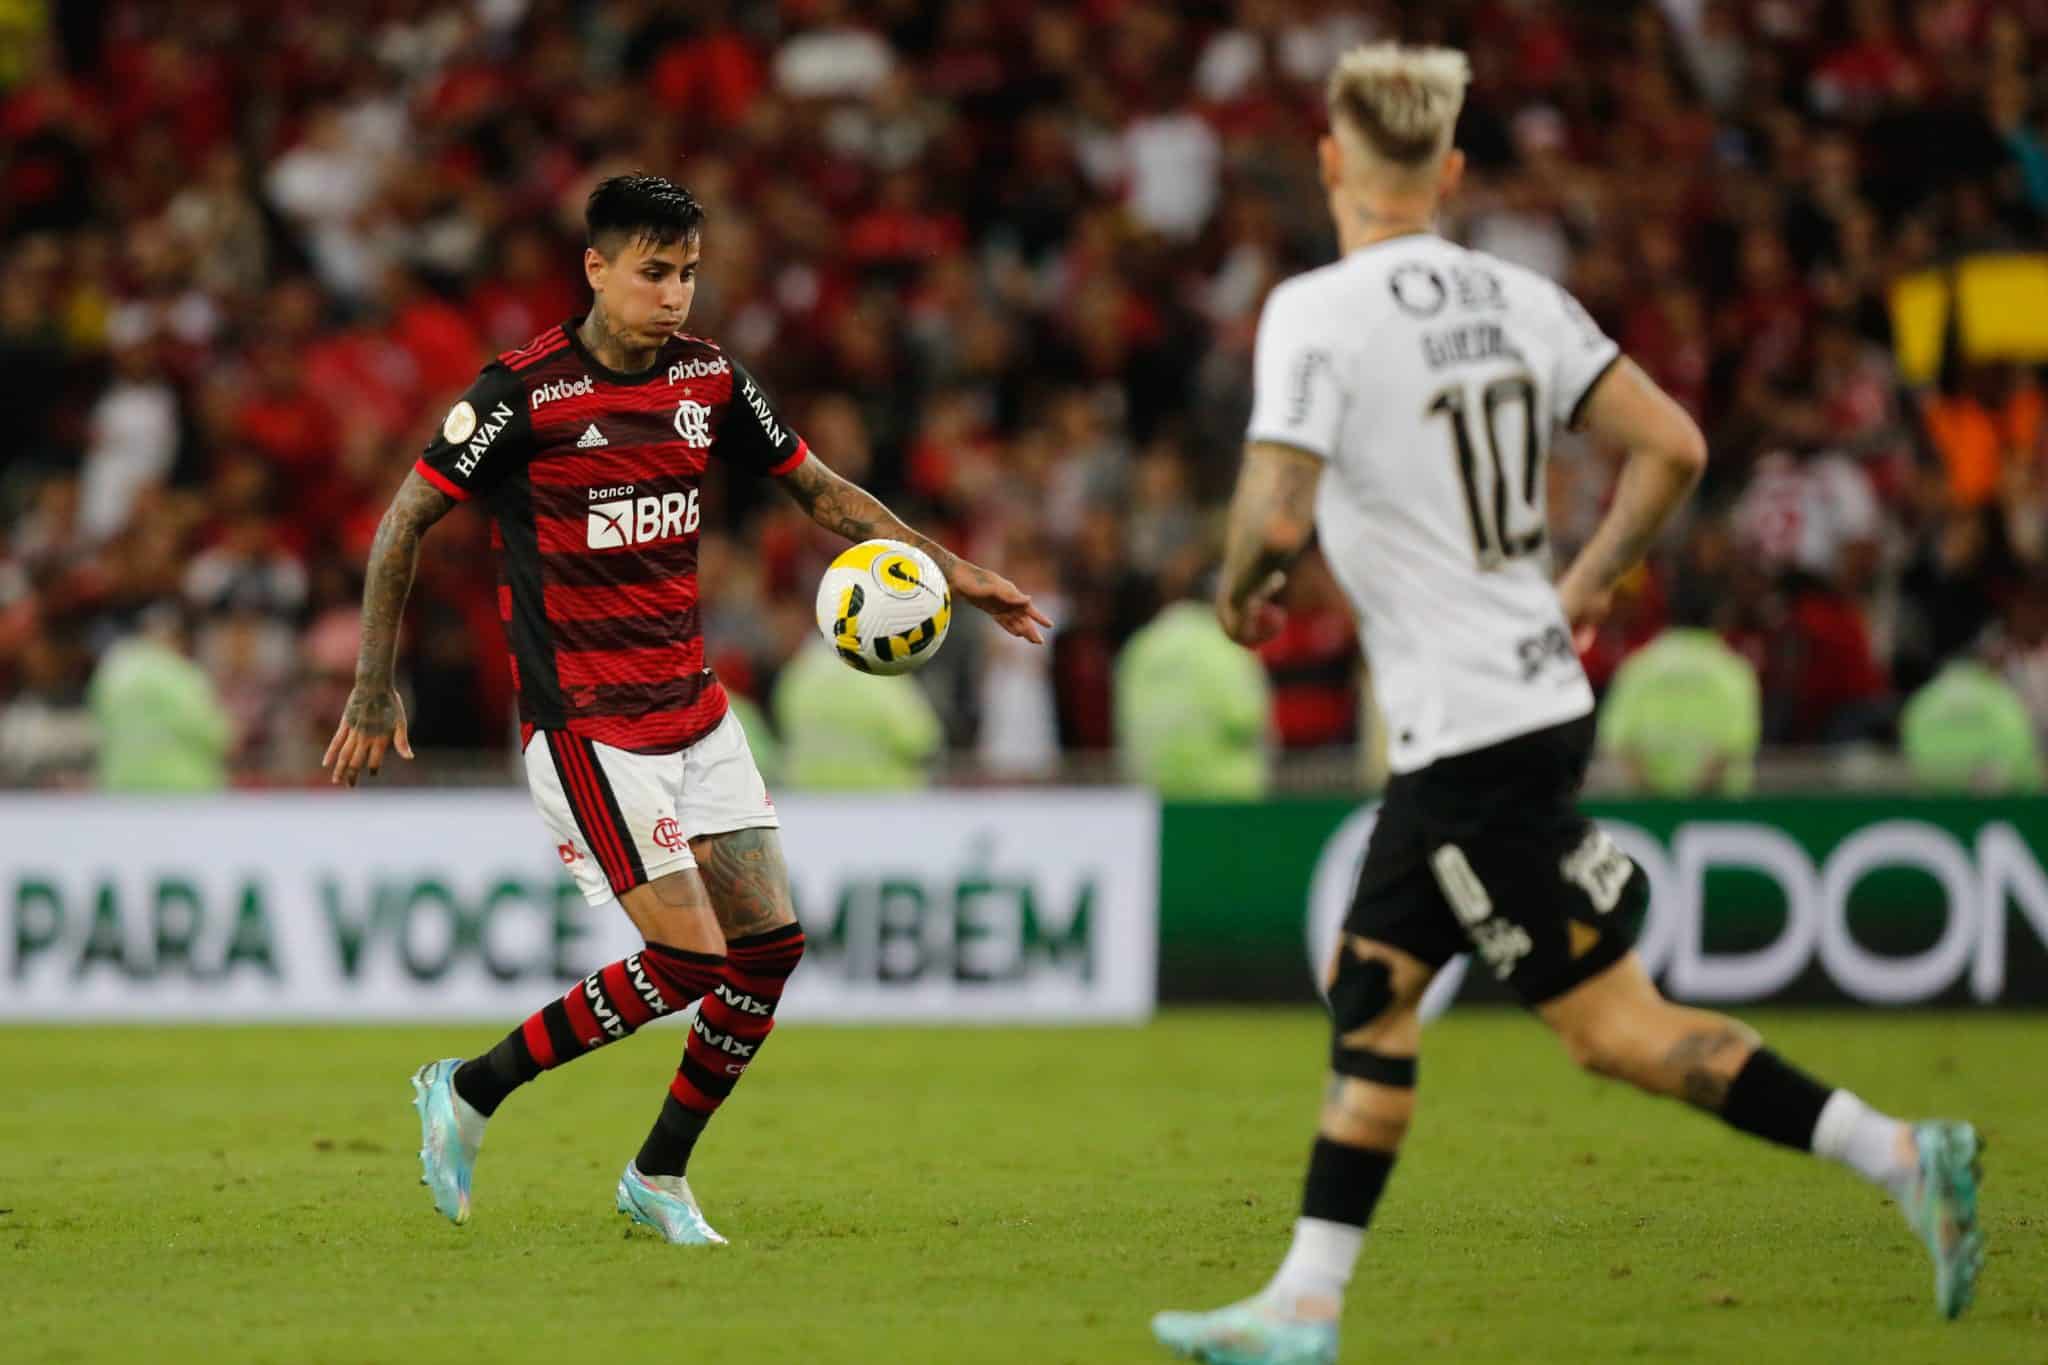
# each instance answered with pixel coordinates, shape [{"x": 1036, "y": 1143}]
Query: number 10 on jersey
[{"x": 1495, "y": 501}]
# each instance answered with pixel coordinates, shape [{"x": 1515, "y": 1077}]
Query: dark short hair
[{"x": 641, "y": 208}]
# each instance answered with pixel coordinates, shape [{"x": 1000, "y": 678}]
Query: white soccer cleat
[
  {"x": 1253, "y": 1332},
  {"x": 666, "y": 1204},
  {"x": 450, "y": 1133},
  {"x": 1941, "y": 1208}
]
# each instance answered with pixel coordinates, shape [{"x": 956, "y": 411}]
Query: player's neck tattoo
[
  {"x": 600, "y": 340},
  {"x": 1374, "y": 219}
]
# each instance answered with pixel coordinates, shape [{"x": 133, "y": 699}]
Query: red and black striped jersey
[{"x": 591, "y": 479}]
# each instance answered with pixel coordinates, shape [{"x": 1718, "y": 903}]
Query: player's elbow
[{"x": 1684, "y": 448}]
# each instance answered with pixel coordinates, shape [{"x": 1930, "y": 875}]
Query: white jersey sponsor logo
[
  {"x": 758, "y": 401},
  {"x": 560, "y": 388},
  {"x": 698, "y": 369},
  {"x": 494, "y": 423},
  {"x": 623, "y": 522},
  {"x": 591, "y": 438}
]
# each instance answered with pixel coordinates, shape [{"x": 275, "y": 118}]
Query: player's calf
[
  {"x": 1618, "y": 1025},
  {"x": 731, "y": 1026},
  {"x": 1374, "y": 990},
  {"x": 609, "y": 1004}
]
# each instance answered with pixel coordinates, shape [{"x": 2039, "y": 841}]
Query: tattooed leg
[
  {"x": 1704, "y": 1063},
  {"x": 748, "y": 881},
  {"x": 1618, "y": 1025}
]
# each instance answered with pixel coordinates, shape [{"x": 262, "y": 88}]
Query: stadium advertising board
[
  {"x": 981, "y": 906},
  {"x": 1863, "y": 900}
]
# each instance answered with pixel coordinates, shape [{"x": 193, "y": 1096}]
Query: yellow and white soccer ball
[{"x": 884, "y": 606}]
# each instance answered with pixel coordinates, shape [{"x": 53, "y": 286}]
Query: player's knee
[
  {"x": 1361, "y": 991},
  {"x": 1360, "y": 1114},
  {"x": 1369, "y": 990}
]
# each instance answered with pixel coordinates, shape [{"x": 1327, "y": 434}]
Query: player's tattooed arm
[
  {"x": 1272, "y": 516},
  {"x": 844, "y": 507},
  {"x": 374, "y": 717},
  {"x": 746, "y": 879}
]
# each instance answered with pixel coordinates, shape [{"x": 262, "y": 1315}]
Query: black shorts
[{"x": 1487, "y": 851}]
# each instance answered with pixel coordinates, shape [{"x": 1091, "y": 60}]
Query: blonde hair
[{"x": 1401, "y": 102}]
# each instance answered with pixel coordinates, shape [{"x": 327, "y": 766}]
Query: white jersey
[{"x": 1429, "y": 379}]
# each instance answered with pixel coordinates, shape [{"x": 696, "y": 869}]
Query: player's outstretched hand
[
  {"x": 373, "y": 721},
  {"x": 1009, "y": 604},
  {"x": 1259, "y": 619}
]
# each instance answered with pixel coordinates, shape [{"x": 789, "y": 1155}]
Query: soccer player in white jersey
[{"x": 1405, "y": 399}]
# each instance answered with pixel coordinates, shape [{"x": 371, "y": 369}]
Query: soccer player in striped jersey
[{"x": 587, "y": 449}]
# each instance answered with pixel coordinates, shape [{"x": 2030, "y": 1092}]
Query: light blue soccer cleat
[
  {"x": 450, "y": 1133},
  {"x": 666, "y": 1204},
  {"x": 1248, "y": 1333},
  {"x": 1941, "y": 1207}
]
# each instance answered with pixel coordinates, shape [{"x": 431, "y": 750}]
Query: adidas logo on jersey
[{"x": 591, "y": 437}]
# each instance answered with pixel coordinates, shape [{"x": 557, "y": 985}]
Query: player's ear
[
  {"x": 594, "y": 267},
  {"x": 1330, "y": 161},
  {"x": 1451, "y": 174}
]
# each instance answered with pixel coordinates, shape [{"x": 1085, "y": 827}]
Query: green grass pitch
[{"x": 200, "y": 1194}]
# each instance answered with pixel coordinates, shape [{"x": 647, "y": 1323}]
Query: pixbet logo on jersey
[
  {"x": 560, "y": 388},
  {"x": 698, "y": 369},
  {"x": 622, "y": 521}
]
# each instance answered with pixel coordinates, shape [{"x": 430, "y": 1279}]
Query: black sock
[
  {"x": 1775, "y": 1100},
  {"x": 484, "y": 1082},
  {"x": 1344, "y": 1183},
  {"x": 670, "y": 1141}
]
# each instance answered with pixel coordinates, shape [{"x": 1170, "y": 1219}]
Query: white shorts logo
[
  {"x": 641, "y": 521},
  {"x": 693, "y": 423},
  {"x": 459, "y": 423}
]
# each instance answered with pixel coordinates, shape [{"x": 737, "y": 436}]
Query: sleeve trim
[
  {"x": 797, "y": 457},
  {"x": 1291, "y": 442},
  {"x": 440, "y": 480},
  {"x": 1586, "y": 394}
]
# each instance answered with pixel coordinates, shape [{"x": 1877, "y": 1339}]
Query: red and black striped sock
[
  {"x": 602, "y": 1008},
  {"x": 734, "y": 1021}
]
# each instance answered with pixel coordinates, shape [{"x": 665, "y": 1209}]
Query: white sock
[
  {"x": 1310, "y": 1282},
  {"x": 1864, "y": 1140}
]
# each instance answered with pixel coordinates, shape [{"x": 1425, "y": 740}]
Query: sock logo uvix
[
  {"x": 740, "y": 1000},
  {"x": 637, "y": 973},
  {"x": 607, "y": 1017},
  {"x": 725, "y": 1043}
]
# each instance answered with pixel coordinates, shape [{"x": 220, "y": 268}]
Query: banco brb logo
[{"x": 641, "y": 521}]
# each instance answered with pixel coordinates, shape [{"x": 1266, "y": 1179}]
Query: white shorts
[{"x": 621, "y": 819}]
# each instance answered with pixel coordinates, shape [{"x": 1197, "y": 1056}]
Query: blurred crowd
[{"x": 1002, "y": 261}]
